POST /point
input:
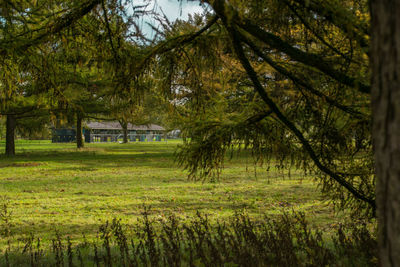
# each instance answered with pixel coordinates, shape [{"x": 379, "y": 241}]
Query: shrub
[{"x": 286, "y": 240}]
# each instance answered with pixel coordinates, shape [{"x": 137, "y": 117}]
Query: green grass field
[{"x": 49, "y": 187}]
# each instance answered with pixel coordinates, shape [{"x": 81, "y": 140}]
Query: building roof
[{"x": 114, "y": 125}]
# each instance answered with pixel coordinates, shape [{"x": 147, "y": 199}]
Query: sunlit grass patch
[{"x": 51, "y": 187}]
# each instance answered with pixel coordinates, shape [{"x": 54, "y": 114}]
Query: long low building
[{"x": 109, "y": 131}]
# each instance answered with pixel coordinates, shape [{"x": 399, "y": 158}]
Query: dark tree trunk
[
  {"x": 124, "y": 126},
  {"x": 79, "y": 139},
  {"x": 11, "y": 123},
  {"x": 125, "y": 135},
  {"x": 385, "y": 60},
  {"x": 125, "y": 130}
]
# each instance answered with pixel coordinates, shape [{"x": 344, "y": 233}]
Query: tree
[
  {"x": 295, "y": 86},
  {"x": 10, "y": 135},
  {"x": 386, "y": 125},
  {"x": 58, "y": 51},
  {"x": 351, "y": 22},
  {"x": 306, "y": 65},
  {"x": 22, "y": 97},
  {"x": 28, "y": 35}
]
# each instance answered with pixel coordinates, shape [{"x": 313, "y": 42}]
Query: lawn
[{"x": 49, "y": 187}]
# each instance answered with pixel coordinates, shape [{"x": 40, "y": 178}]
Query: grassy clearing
[{"x": 49, "y": 187}]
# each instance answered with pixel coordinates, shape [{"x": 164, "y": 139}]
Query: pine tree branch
[
  {"x": 300, "y": 82},
  {"x": 320, "y": 38},
  {"x": 341, "y": 21},
  {"x": 290, "y": 125},
  {"x": 171, "y": 44},
  {"x": 309, "y": 59},
  {"x": 275, "y": 42},
  {"x": 58, "y": 25}
]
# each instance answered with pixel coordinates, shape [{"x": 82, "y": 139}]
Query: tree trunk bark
[
  {"x": 385, "y": 60},
  {"x": 11, "y": 123},
  {"x": 124, "y": 126},
  {"x": 125, "y": 130},
  {"x": 79, "y": 139}
]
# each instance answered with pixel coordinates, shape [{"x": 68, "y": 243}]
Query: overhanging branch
[
  {"x": 298, "y": 81},
  {"x": 275, "y": 42},
  {"x": 275, "y": 109},
  {"x": 298, "y": 55},
  {"x": 58, "y": 25},
  {"x": 175, "y": 42}
]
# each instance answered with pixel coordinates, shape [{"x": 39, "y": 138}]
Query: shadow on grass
[{"x": 90, "y": 159}]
